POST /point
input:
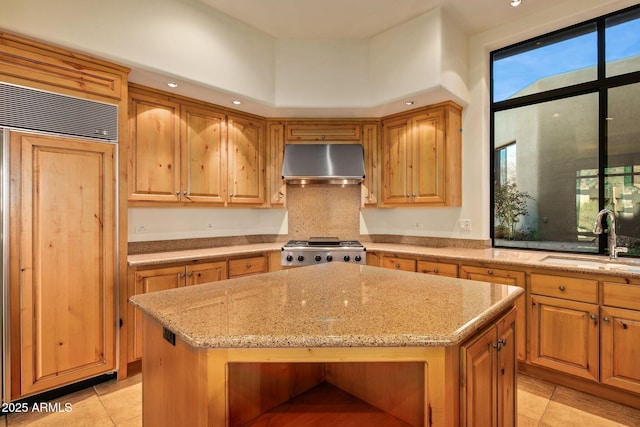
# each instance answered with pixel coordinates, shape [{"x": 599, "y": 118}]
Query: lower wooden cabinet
[
  {"x": 564, "y": 336},
  {"x": 504, "y": 277},
  {"x": 437, "y": 268},
  {"x": 160, "y": 279},
  {"x": 398, "y": 263},
  {"x": 488, "y": 376},
  {"x": 620, "y": 337}
]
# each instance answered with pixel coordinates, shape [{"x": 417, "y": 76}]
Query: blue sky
[{"x": 514, "y": 73}]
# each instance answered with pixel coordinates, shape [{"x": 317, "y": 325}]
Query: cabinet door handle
[
  {"x": 593, "y": 317},
  {"x": 562, "y": 288},
  {"x": 190, "y": 274},
  {"x": 182, "y": 275},
  {"x": 606, "y": 319}
]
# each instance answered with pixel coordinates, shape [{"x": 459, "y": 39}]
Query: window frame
[{"x": 601, "y": 85}]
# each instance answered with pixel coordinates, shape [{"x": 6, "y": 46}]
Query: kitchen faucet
[{"x": 597, "y": 229}]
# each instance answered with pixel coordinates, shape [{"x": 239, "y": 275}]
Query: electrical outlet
[
  {"x": 209, "y": 226},
  {"x": 465, "y": 225},
  {"x": 418, "y": 225},
  {"x": 140, "y": 229}
]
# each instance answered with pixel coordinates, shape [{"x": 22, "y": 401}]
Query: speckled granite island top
[{"x": 328, "y": 305}]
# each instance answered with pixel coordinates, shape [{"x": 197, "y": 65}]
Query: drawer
[
  {"x": 441, "y": 269},
  {"x": 244, "y": 266},
  {"x": 572, "y": 288},
  {"x": 396, "y": 263},
  {"x": 621, "y": 295}
]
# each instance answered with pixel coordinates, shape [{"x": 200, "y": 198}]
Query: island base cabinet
[
  {"x": 488, "y": 386},
  {"x": 184, "y": 385}
]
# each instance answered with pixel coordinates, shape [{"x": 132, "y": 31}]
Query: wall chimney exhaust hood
[{"x": 323, "y": 164}]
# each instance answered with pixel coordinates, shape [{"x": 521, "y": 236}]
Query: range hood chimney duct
[{"x": 323, "y": 164}]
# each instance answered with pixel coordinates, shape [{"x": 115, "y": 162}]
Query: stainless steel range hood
[{"x": 323, "y": 164}]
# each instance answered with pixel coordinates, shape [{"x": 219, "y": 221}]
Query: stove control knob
[
  {"x": 358, "y": 258},
  {"x": 289, "y": 258},
  {"x": 300, "y": 258},
  {"x": 347, "y": 258},
  {"x": 329, "y": 258},
  {"x": 318, "y": 258}
]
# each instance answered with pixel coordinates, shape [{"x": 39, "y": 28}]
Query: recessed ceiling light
[
  {"x": 236, "y": 102},
  {"x": 172, "y": 84},
  {"x": 515, "y": 3},
  {"x": 409, "y": 102}
]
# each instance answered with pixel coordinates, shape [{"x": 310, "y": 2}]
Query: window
[{"x": 570, "y": 102}]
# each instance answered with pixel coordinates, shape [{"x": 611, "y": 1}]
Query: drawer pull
[
  {"x": 435, "y": 271},
  {"x": 248, "y": 265},
  {"x": 562, "y": 288},
  {"x": 397, "y": 265},
  {"x": 489, "y": 271}
]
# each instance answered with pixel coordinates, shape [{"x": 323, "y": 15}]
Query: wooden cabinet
[
  {"x": 564, "y": 324},
  {"x": 184, "y": 152},
  {"x": 488, "y": 389},
  {"x": 620, "y": 335},
  {"x": 323, "y": 131},
  {"x": 398, "y": 263},
  {"x": 160, "y": 279},
  {"x": 277, "y": 188},
  {"x": 437, "y": 268},
  {"x": 203, "y": 154},
  {"x": 154, "y": 151},
  {"x": 505, "y": 277},
  {"x": 421, "y": 154},
  {"x": 370, "y": 185},
  {"x": 62, "y": 261},
  {"x": 248, "y": 265},
  {"x": 246, "y": 167}
]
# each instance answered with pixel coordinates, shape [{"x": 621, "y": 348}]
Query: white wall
[{"x": 426, "y": 53}]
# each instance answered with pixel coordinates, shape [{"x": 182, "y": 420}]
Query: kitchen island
[{"x": 246, "y": 351}]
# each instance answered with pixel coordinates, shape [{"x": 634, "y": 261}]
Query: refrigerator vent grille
[{"x": 35, "y": 110}]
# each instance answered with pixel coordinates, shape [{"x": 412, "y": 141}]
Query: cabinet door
[
  {"x": 157, "y": 279},
  {"x": 371, "y": 161},
  {"x": 428, "y": 158},
  {"x": 205, "y": 273},
  {"x": 154, "y": 154},
  {"x": 564, "y": 336},
  {"x": 507, "y": 381},
  {"x": 204, "y": 154},
  {"x": 396, "y": 152},
  {"x": 504, "y": 277},
  {"x": 277, "y": 186},
  {"x": 620, "y": 336},
  {"x": 246, "y": 181},
  {"x": 479, "y": 381},
  {"x": 62, "y": 260}
]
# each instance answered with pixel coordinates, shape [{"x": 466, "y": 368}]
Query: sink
[{"x": 591, "y": 263}]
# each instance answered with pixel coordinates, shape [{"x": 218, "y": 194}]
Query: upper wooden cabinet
[
  {"x": 183, "y": 152},
  {"x": 421, "y": 157},
  {"x": 246, "y": 165},
  {"x": 371, "y": 184}
]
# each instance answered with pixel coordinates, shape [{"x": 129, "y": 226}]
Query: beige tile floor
[{"x": 539, "y": 404}]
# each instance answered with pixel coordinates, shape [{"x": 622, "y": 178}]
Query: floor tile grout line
[{"x": 113, "y": 423}]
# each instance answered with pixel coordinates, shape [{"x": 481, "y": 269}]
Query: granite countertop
[
  {"x": 194, "y": 254},
  {"x": 557, "y": 261},
  {"x": 328, "y": 305}
]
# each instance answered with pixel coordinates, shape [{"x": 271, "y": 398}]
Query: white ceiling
[{"x": 361, "y": 19}]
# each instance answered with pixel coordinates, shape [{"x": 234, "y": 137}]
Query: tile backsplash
[{"x": 323, "y": 210}]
